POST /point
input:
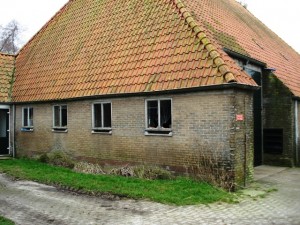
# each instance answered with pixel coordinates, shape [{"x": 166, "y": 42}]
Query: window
[
  {"x": 60, "y": 118},
  {"x": 101, "y": 117},
  {"x": 159, "y": 116},
  {"x": 27, "y": 119}
]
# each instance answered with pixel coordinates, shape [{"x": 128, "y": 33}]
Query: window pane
[
  {"x": 107, "y": 114},
  {"x": 97, "y": 115},
  {"x": 64, "y": 116},
  {"x": 152, "y": 110},
  {"x": 165, "y": 114},
  {"x": 25, "y": 117},
  {"x": 30, "y": 117},
  {"x": 56, "y": 116}
]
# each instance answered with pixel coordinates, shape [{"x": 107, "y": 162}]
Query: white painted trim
[
  {"x": 159, "y": 128},
  {"x": 101, "y": 103},
  {"x": 60, "y": 117},
  {"x": 4, "y": 107}
]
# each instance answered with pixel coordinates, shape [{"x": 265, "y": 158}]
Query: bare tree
[{"x": 9, "y": 37}]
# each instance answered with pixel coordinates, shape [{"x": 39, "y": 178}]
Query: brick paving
[{"x": 28, "y": 202}]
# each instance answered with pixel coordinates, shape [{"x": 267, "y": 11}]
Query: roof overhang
[{"x": 228, "y": 86}]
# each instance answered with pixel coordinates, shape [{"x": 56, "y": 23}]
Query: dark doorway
[
  {"x": 257, "y": 107},
  {"x": 4, "y": 133}
]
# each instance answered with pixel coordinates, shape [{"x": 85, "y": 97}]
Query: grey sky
[{"x": 280, "y": 16}]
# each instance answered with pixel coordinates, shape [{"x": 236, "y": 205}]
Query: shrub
[
  {"x": 57, "y": 158},
  {"x": 89, "y": 168},
  {"x": 152, "y": 173},
  {"x": 143, "y": 172},
  {"x": 125, "y": 171},
  {"x": 205, "y": 164}
]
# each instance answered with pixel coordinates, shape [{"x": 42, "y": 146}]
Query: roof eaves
[
  {"x": 224, "y": 86},
  {"x": 200, "y": 33}
]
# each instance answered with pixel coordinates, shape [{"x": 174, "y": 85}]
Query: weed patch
[
  {"x": 5, "y": 221},
  {"x": 179, "y": 191},
  {"x": 57, "y": 158}
]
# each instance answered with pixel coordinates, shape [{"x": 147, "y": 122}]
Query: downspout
[
  {"x": 262, "y": 116},
  {"x": 245, "y": 144},
  {"x": 296, "y": 132},
  {"x": 13, "y": 130},
  {"x": 9, "y": 132}
]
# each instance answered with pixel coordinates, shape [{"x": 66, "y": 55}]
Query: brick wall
[
  {"x": 203, "y": 123},
  {"x": 278, "y": 113},
  {"x": 297, "y": 147}
]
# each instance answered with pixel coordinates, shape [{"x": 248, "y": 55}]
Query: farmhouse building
[{"x": 173, "y": 83}]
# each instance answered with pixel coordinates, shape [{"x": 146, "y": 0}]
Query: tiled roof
[
  {"x": 6, "y": 75},
  {"x": 120, "y": 46},
  {"x": 232, "y": 26}
]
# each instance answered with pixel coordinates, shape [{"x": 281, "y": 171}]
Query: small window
[
  {"x": 60, "y": 118},
  {"x": 27, "y": 119},
  {"x": 102, "y": 117},
  {"x": 159, "y": 117}
]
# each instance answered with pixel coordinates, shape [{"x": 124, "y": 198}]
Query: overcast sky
[{"x": 283, "y": 17}]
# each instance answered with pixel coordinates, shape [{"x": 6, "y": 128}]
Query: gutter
[{"x": 164, "y": 92}]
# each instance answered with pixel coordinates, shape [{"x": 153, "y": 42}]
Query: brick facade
[
  {"x": 297, "y": 133},
  {"x": 203, "y": 125},
  {"x": 278, "y": 114}
]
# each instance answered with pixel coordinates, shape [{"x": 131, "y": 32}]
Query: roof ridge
[{"x": 212, "y": 50}]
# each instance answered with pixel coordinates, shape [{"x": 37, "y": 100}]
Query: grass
[
  {"x": 4, "y": 221},
  {"x": 180, "y": 191}
]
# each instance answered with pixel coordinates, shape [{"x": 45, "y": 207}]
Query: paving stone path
[{"x": 31, "y": 203}]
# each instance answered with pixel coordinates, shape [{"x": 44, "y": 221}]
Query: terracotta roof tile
[
  {"x": 6, "y": 76},
  {"x": 95, "y": 48},
  {"x": 256, "y": 40}
]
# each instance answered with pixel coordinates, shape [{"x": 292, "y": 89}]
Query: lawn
[
  {"x": 4, "y": 221},
  {"x": 180, "y": 191}
]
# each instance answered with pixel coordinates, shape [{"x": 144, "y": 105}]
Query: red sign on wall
[{"x": 239, "y": 117}]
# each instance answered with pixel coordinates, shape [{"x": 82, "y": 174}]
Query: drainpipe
[
  {"x": 13, "y": 130},
  {"x": 262, "y": 117},
  {"x": 296, "y": 131},
  {"x": 9, "y": 131}
]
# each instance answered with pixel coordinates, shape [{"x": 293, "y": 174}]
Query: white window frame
[
  {"x": 159, "y": 131},
  {"x": 29, "y": 127},
  {"x": 101, "y": 130},
  {"x": 59, "y": 128}
]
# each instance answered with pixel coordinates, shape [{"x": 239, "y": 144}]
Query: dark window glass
[
  {"x": 152, "y": 108},
  {"x": 64, "y": 116},
  {"x": 57, "y": 116},
  {"x": 97, "y": 115},
  {"x": 25, "y": 117},
  {"x": 165, "y": 113},
  {"x": 107, "y": 114}
]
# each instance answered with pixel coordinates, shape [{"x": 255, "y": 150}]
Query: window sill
[
  {"x": 159, "y": 132},
  {"x": 60, "y": 130},
  {"x": 102, "y": 131},
  {"x": 27, "y": 129}
]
